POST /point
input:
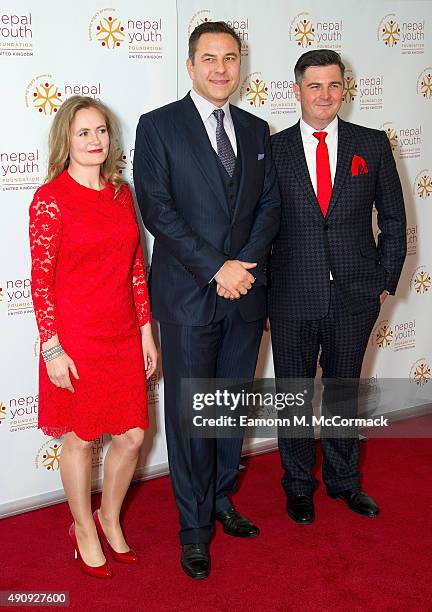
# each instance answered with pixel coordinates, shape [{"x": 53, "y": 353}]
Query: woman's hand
[
  {"x": 149, "y": 349},
  {"x": 58, "y": 372}
]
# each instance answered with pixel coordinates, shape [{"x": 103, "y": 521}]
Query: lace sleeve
[
  {"x": 141, "y": 296},
  {"x": 45, "y": 237},
  {"x": 139, "y": 279}
]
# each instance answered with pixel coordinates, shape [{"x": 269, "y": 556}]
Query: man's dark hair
[
  {"x": 211, "y": 27},
  {"x": 318, "y": 57}
]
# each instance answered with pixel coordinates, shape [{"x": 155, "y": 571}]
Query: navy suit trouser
[{"x": 204, "y": 471}]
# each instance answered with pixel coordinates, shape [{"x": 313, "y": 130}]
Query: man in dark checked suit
[
  {"x": 207, "y": 190},
  {"x": 328, "y": 277}
]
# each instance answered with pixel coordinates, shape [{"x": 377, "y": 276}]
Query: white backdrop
[{"x": 132, "y": 55}]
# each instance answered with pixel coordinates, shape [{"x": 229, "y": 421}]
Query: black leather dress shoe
[
  {"x": 358, "y": 501},
  {"x": 195, "y": 560},
  {"x": 301, "y": 509},
  {"x": 234, "y": 524}
]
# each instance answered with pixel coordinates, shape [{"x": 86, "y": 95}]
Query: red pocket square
[{"x": 358, "y": 166}]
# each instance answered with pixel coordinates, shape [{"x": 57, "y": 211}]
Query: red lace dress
[{"x": 89, "y": 287}]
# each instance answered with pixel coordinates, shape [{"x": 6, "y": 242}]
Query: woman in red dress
[{"x": 92, "y": 309}]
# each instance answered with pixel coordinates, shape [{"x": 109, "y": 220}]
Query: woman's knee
[
  {"x": 75, "y": 444},
  {"x": 131, "y": 441}
]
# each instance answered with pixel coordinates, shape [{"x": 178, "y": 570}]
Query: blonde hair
[{"x": 60, "y": 138}]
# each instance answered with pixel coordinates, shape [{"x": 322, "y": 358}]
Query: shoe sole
[
  {"x": 372, "y": 516},
  {"x": 194, "y": 576},
  {"x": 309, "y": 522},
  {"x": 240, "y": 535}
]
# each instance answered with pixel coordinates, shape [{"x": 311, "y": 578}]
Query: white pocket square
[{"x": 260, "y": 156}]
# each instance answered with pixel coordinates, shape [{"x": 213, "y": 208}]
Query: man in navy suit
[
  {"x": 328, "y": 277},
  {"x": 207, "y": 190}
]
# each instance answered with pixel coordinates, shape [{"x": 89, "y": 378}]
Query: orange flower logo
[
  {"x": 391, "y": 135},
  {"x": 350, "y": 88},
  {"x": 110, "y": 32},
  {"x": 422, "y": 282},
  {"x": 51, "y": 457},
  {"x": 384, "y": 336},
  {"x": 47, "y": 98},
  {"x": 304, "y": 33},
  {"x": 425, "y": 85},
  {"x": 424, "y": 186},
  {"x": 421, "y": 372},
  {"x": 257, "y": 92},
  {"x": 390, "y": 33}
]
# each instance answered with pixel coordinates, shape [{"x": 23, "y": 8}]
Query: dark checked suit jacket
[
  {"x": 308, "y": 245},
  {"x": 184, "y": 205}
]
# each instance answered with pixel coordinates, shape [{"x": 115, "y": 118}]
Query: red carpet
[{"x": 341, "y": 562}]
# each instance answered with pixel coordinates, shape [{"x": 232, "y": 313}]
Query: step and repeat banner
[{"x": 132, "y": 55}]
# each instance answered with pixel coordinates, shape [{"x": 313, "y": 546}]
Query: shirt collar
[
  {"x": 307, "y": 131},
  {"x": 206, "y": 108}
]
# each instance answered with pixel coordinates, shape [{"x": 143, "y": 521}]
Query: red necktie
[{"x": 324, "y": 183}]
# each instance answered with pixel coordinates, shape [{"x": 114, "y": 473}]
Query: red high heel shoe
[
  {"x": 101, "y": 571},
  {"x": 122, "y": 557}
]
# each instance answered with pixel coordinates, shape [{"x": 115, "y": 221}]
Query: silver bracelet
[{"x": 52, "y": 353}]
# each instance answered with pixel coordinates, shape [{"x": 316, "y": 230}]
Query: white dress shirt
[
  {"x": 310, "y": 144},
  {"x": 205, "y": 109}
]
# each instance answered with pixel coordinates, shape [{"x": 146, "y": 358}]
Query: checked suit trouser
[{"x": 342, "y": 338}]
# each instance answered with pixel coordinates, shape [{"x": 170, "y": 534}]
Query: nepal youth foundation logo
[
  {"x": 48, "y": 455},
  {"x": 306, "y": 32},
  {"x": 254, "y": 90},
  {"x": 424, "y": 83},
  {"x": 420, "y": 373},
  {"x": 398, "y": 336},
  {"x": 141, "y": 38},
  {"x": 391, "y": 134},
  {"x": 421, "y": 281},
  {"x": 350, "y": 89},
  {"x": 389, "y": 31},
  {"x": 423, "y": 184},
  {"x": 106, "y": 29},
  {"x": 302, "y": 30},
  {"x": 407, "y": 34},
  {"x": 407, "y": 139},
  {"x": 44, "y": 95},
  {"x": 382, "y": 336}
]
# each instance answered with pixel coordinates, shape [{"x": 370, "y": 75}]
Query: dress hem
[{"x": 59, "y": 432}]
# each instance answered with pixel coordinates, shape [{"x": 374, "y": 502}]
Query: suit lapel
[
  {"x": 246, "y": 145},
  {"x": 191, "y": 127},
  {"x": 345, "y": 154},
  {"x": 295, "y": 152}
]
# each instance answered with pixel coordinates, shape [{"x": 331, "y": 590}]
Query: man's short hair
[
  {"x": 318, "y": 57},
  {"x": 211, "y": 27}
]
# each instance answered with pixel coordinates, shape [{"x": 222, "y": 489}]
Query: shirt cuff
[{"x": 213, "y": 277}]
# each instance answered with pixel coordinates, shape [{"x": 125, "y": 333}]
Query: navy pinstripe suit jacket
[{"x": 184, "y": 205}]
